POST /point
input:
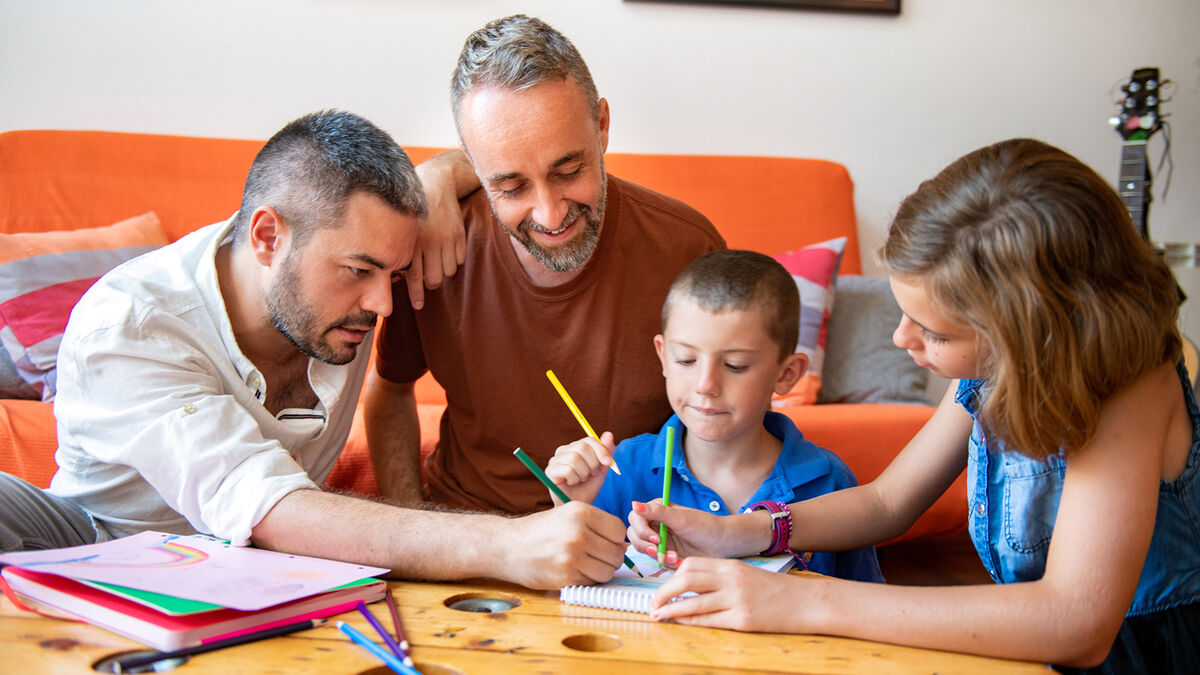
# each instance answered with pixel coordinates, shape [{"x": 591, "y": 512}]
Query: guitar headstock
[{"x": 1137, "y": 115}]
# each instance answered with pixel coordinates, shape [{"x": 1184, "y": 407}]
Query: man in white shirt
[{"x": 209, "y": 386}]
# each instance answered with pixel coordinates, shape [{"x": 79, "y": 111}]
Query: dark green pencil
[{"x": 562, "y": 496}]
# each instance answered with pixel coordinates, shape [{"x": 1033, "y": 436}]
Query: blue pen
[
  {"x": 389, "y": 659},
  {"x": 387, "y": 638}
]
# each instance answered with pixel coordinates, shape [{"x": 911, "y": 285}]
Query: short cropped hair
[
  {"x": 742, "y": 280},
  {"x": 515, "y": 53},
  {"x": 308, "y": 170}
]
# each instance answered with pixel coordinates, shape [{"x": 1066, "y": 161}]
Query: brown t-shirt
[{"x": 489, "y": 335}]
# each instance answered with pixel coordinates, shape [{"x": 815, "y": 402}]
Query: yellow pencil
[{"x": 587, "y": 428}]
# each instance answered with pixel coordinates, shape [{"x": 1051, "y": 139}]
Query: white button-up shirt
[{"x": 161, "y": 423}]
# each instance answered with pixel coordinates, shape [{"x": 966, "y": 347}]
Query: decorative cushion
[
  {"x": 862, "y": 364},
  {"x": 814, "y": 269},
  {"x": 42, "y": 276}
]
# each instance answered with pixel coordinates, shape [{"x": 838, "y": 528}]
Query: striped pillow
[
  {"x": 814, "y": 269},
  {"x": 42, "y": 276}
]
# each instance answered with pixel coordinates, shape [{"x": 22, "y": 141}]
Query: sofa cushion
[
  {"x": 814, "y": 269},
  {"x": 42, "y": 276},
  {"x": 862, "y": 365}
]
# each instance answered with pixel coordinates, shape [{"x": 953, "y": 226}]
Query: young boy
[{"x": 730, "y": 325}]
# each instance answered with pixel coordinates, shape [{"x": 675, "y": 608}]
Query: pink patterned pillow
[
  {"x": 42, "y": 276},
  {"x": 814, "y": 269}
]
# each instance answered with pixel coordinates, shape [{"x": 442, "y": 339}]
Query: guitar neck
[{"x": 1133, "y": 184}]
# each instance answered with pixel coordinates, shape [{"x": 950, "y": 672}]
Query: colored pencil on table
[
  {"x": 587, "y": 428},
  {"x": 389, "y": 659},
  {"x": 138, "y": 660},
  {"x": 387, "y": 638},
  {"x": 391, "y": 603},
  {"x": 562, "y": 496},
  {"x": 666, "y": 498}
]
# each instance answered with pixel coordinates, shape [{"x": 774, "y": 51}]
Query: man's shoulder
[{"x": 642, "y": 203}]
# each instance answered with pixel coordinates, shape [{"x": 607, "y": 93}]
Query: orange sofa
[{"x": 72, "y": 180}]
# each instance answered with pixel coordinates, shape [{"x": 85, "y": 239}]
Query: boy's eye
[
  {"x": 735, "y": 368},
  {"x": 685, "y": 362}
]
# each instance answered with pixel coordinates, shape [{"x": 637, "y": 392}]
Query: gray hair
[
  {"x": 308, "y": 170},
  {"x": 517, "y": 52}
]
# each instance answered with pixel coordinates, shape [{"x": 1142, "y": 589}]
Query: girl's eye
[{"x": 926, "y": 335}]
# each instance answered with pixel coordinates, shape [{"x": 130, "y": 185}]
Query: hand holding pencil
[
  {"x": 587, "y": 428},
  {"x": 579, "y": 468}
]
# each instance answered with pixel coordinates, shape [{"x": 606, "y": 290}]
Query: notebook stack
[{"x": 169, "y": 591}]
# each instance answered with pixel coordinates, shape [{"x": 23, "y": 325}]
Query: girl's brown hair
[{"x": 1034, "y": 250}]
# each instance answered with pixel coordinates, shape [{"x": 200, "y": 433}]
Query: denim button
[
  {"x": 979, "y": 508},
  {"x": 714, "y": 506}
]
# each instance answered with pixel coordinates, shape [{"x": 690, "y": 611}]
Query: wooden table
[{"x": 539, "y": 635}]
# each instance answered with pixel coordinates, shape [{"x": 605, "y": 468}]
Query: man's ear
[
  {"x": 660, "y": 349},
  {"x": 790, "y": 372},
  {"x": 268, "y": 235},
  {"x": 603, "y": 123}
]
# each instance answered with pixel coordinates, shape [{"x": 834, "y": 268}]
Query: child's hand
[
  {"x": 730, "y": 594},
  {"x": 689, "y": 531},
  {"x": 578, "y": 469}
]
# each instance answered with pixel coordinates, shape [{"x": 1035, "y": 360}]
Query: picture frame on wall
[{"x": 875, "y": 6}]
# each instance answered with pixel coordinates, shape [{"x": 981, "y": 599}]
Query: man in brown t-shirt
[{"x": 566, "y": 269}]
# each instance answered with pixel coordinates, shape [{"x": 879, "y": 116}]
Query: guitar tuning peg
[
  {"x": 1129, "y": 103},
  {"x": 1134, "y": 87},
  {"x": 1151, "y": 85},
  {"x": 1152, "y": 100}
]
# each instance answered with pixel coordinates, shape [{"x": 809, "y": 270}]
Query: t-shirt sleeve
[{"x": 399, "y": 356}]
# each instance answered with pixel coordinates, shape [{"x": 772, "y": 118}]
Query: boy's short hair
[{"x": 742, "y": 280}]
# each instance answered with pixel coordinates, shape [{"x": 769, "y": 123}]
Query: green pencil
[
  {"x": 666, "y": 500},
  {"x": 562, "y": 496}
]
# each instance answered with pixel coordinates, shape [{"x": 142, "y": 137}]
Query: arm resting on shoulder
[
  {"x": 441, "y": 241},
  {"x": 393, "y": 437}
]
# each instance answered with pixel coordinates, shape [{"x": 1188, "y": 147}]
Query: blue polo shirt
[{"x": 803, "y": 470}]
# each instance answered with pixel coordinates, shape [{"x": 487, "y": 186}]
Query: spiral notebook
[{"x": 629, "y": 593}]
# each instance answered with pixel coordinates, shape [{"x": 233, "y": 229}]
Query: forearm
[
  {"x": 413, "y": 544},
  {"x": 449, "y": 168},
  {"x": 1034, "y": 621},
  {"x": 393, "y": 437}
]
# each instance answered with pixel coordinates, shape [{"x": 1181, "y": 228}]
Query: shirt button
[
  {"x": 714, "y": 506},
  {"x": 189, "y": 408},
  {"x": 686, "y": 479},
  {"x": 979, "y": 508}
]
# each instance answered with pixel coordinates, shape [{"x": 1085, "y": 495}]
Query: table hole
[
  {"x": 108, "y": 664},
  {"x": 592, "y": 642},
  {"x": 482, "y": 603}
]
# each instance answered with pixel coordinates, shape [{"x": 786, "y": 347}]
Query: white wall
[{"x": 893, "y": 98}]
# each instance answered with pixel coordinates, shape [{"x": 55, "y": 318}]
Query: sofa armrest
[{"x": 28, "y": 439}]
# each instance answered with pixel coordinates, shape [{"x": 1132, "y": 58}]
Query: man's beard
[
  {"x": 292, "y": 317},
  {"x": 574, "y": 253}
]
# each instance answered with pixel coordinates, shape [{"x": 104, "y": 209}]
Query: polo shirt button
[
  {"x": 979, "y": 508},
  {"x": 714, "y": 506}
]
